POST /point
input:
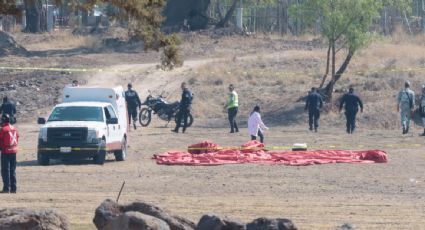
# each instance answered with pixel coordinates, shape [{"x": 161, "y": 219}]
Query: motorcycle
[{"x": 165, "y": 111}]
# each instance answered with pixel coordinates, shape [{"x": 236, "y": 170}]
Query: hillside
[{"x": 273, "y": 72}]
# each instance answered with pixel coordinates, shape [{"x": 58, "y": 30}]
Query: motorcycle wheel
[
  {"x": 145, "y": 117},
  {"x": 189, "y": 120}
]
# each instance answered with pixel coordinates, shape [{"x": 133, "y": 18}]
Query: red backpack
[{"x": 9, "y": 139}]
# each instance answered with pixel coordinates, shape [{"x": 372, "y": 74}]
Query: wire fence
[{"x": 277, "y": 19}]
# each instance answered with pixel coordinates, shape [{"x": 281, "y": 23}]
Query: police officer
[
  {"x": 406, "y": 106},
  {"x": 8, "y": 108},
  {"x": 352, "y": 103},
  {"x": 313, "y": 104},
  {"x": 9, "y": 148},
  {"x": 184, "y": 109},
  {"x": 232, "y": 108},
  {"x": 422, "y": 108},
  {"x": 133, "y": 101}
]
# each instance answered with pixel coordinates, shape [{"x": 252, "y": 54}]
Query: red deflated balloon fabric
[{"x": 207, "y": 153}]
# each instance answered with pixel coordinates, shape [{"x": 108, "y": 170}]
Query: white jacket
[{"x": 255, "y": 123}]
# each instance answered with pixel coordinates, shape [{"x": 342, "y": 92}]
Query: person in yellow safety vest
[{"x": 232, "y": 108}]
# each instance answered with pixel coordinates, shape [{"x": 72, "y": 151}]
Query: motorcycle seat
[{"x": 173, "y": 103}]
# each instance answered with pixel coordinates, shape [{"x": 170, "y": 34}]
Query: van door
[
  {"x": 116, "y": 128},
  {"x": 111, "y": 138}
]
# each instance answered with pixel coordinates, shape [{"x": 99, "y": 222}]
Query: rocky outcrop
[
  {"x": 271, "y": 224},
  {"x": 23, "y": 219},
  {"x": 214, "y": 222},
  {"x": 111, "y": 215}
]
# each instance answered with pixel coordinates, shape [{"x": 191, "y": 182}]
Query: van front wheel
[{"x": 100, "y": 157}]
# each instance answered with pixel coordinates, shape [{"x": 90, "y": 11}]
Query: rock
[
  {"x": 175, "y": 222},
  {"x": 134, "y": 221},
  {"x": 18, "y": 219},
  {"x": 8, "y": 45},
  {"x": 105, "y": 213},
  {"x": 137, "y": 220},
  {"x": 346, "y": 226},
  {"x": 109, "y": 212},
  {"x": 213, "y": 222},
  {"x": 271, "y": 224}
]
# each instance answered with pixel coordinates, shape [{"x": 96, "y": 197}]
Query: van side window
[
  {"x": 107, "y": 114},
  {"x": 111, "y": 112}
]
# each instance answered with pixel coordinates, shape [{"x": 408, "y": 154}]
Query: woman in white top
[{"x": 256, "y": 126}]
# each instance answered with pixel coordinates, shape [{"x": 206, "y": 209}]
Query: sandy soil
[{"x": 373, "y": 196}]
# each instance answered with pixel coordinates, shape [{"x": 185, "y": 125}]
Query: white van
[{"x": 89, "y": 123}]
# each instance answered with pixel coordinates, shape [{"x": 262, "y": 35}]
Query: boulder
[
  {"x": 271, "y": 224},
  {"x": 22, "y": 219},
  {"x": 213, "y": 222},
  {"x": 8, "y": 45},
  {"x": 110, "y": 213},
  {"x": 135, "y": 221},
  {"x": 106, "y": 213},
  {"x": 346, "y": 226}
]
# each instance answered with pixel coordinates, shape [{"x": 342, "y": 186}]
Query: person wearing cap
[
  {"x": 256, "y": 125},
  {"x": 422, "y": 108},
  {"x": 184, "y": 108},
  {"x": 8, "y": 108},
  {"x": 313, "y": 104},
  {"x": 352, "y": 103},
  {"x": 133, "y": 101},
  {"x": 9, "y": 138},
  {"x": 75, "y": 83},
  {"x": 232, "y": 108},
  {"x": 406, "y": 106}
]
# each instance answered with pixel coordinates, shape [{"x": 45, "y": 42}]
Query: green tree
[
  {"x": 145, "y": 19},
  {"x": 345, "y": 24}
]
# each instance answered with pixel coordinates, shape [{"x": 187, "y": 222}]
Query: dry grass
[
  {"x": 277, "y": 79},
  {"x": 57, "y": 40}
]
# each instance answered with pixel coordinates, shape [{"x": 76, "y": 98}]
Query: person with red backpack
[{"x": 9, "y": 148}]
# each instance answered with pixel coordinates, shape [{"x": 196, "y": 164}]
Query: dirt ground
[{"x": 372, "y": 196}]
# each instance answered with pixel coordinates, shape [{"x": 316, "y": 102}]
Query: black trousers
[
  {"x": 182, "y": 115},
  {"x": 232, "y": 112},
  {"x": 260, "y": 134},
  {"x": 8, "y": 171},
  {"x": 351, "y": 120},
  {"x": 132, "y": 113},
  {"x": 313, "y": 118}
]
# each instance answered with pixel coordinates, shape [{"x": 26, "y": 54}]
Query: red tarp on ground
[{"x": 207, "y": 153}]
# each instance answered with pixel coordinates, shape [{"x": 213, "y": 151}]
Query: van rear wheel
[{"x": 120, "y": 154}]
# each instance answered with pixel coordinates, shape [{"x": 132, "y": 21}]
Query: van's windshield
[{"x": 77, "y": 113}]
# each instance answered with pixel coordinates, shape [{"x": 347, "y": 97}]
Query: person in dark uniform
[
  {"x": 133, "y": 101},
  {"x": 184, "y": 109},
  {"x": 352, "y": 103},
  {"x": 8, "y": 108},
  {"x": 313, "y": 104}
]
